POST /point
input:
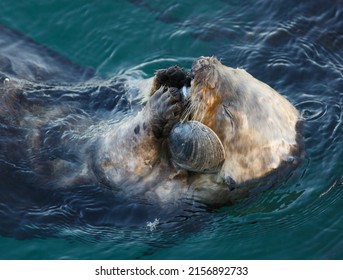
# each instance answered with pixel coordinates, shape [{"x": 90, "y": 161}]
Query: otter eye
[
  {"x": 229, "y": 115},
  {"x": 227, "y": 111}
]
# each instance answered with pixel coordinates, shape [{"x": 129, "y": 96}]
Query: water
[{"x": 296, "y": 47}]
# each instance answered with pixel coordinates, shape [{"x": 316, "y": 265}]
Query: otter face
[
  {"x": 211, "y": 95},
  {"x": 255, "y": 124}
]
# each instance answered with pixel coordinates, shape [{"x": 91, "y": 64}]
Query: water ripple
[
  {"x": 312, "y": 109},
  {"x": 296, "y": 47}
]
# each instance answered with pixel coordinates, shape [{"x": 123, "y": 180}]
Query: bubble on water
[{"x": 152, "y": 225}]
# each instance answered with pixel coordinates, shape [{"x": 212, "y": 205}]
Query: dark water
[{"x": 294, "y": 46}]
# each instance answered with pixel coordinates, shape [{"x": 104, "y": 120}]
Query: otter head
[{"x": 255, "y": 124}]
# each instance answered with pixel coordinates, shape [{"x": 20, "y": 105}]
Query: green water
[
  {"x": 294, "y": 47},
  {"x": 108, "y": 35}
]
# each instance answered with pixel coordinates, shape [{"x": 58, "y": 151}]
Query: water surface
[{"x": 294, "y": 46}]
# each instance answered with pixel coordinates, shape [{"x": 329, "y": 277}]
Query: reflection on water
[{"x": 294, "y": 47}]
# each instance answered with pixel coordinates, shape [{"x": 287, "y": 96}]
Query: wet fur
[
  {"x": 259, "y": 124},
  {"x": 256, "y": 125},
  {"x": 131, "y": 156}
]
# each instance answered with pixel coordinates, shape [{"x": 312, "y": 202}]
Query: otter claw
[
  {"x": 175, "y": 94},
  {"x": 167, "y": 107},
  {"x": 175, "y": 110}
]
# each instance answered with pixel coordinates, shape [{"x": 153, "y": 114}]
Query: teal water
[{"x": 296, "y": 47}]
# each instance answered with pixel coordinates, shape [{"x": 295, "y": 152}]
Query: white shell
[{"x": 195, "y": 147}]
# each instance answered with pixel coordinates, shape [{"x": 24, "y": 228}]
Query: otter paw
[
  {"x": 166, "y": 108},
  {"x": 173, "y": 77}
]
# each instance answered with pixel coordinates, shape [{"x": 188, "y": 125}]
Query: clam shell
[{"x": 195, "y": 147}]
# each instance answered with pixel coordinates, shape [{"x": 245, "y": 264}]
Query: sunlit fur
[{"x": 256, "y": 125}]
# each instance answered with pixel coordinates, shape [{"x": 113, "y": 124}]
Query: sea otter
[
  {"x": 256, "y": 127},
  {"x": 251, "y": 128}
]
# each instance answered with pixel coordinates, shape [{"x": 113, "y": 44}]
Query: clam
[{"x": 195, "y": 147}]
